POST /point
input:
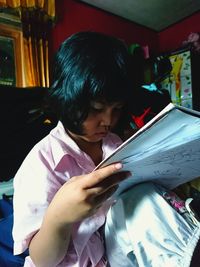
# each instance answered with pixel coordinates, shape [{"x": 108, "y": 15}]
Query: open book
[{"x": 166, "y": 150}]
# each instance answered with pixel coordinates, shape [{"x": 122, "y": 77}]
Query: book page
[{"x": 167, "y": 151}]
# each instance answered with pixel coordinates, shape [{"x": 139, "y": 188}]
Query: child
[{"x": 62, "y": 208}]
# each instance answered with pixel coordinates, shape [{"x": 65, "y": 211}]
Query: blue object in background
[{"x": 7, "y": 259}]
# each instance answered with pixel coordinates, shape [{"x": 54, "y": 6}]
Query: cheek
[
  {"x": 90, "y": 123},
  {"x": 115, "y": 118}
]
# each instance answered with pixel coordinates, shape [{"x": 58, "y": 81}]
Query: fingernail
[{"x": 118, "y": 166}]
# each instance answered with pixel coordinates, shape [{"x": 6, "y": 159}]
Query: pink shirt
[{"x": 52, "y": 162}]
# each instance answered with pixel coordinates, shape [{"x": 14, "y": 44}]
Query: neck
[{"x": 93, "y": 149}]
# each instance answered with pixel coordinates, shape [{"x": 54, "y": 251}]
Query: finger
[
  {"x": 100, "y": 175},
  {"x": 106, "y": 184},
  {"x": 100, "y": 199}
]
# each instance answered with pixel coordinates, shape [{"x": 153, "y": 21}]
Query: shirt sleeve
[{"x": 34, "y": 188}]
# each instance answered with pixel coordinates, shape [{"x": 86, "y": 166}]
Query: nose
[{"x": 106, "y": 118}]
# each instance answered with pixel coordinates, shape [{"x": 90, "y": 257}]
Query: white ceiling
[{"x": 154, "y": 14}]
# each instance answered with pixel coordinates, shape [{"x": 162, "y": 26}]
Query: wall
[
  {"x": 76, "y": 16},
  {"x": 172, "y": 37}
]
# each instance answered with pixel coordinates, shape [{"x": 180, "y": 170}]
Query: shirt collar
[
  {"x": 63, "y": 144},
  {"x": 66, "y": 146}
]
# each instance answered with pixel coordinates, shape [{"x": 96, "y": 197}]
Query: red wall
[
  {"x": 74, "y": 16},
  {"x": 172, "y": 37}
]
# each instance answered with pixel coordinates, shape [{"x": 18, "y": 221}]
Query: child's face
[{"x": 101, "y": 119}]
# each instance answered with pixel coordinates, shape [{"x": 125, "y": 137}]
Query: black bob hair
[{"x": 89, "y": 66}]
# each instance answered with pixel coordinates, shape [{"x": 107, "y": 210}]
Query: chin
[{"x": 94, "y": 140}]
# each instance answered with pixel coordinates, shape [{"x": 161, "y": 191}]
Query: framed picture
[
  {"x": 11, "y": 56},
  {"x": 179, "y": 83}
]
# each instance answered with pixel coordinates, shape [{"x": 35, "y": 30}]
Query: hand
[{"x": 82, "y": 195}]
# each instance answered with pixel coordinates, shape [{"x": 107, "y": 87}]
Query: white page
[{"x": 166, "y": 151}]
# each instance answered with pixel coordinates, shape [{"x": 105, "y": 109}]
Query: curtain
[
  {"x": 47, "y": 5},
  {"x": 37, "y": 18}
]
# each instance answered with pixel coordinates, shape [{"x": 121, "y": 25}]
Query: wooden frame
[{"x": 15, "y": 36}]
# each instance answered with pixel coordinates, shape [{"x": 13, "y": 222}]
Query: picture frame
[
  {"x": 179, "y": 81},
  {"x": 11, "y": 56}
]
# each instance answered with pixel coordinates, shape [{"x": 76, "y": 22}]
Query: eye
[{"x": 96, "y": 109}]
